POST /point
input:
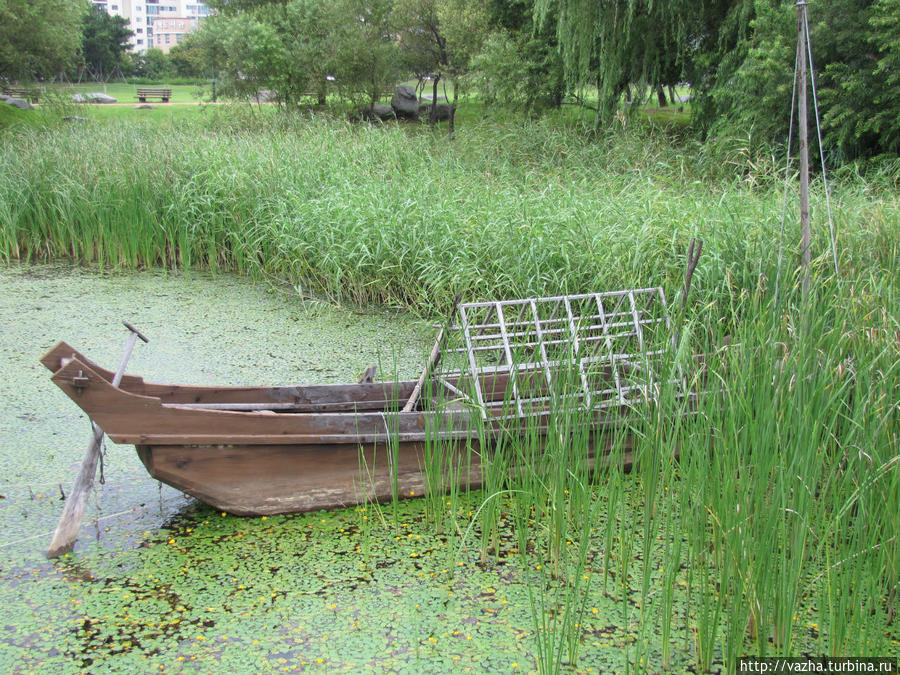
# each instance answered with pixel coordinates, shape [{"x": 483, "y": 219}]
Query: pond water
[{"x": 161, "y": 583}]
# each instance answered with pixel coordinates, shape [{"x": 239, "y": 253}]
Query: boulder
[
  {"x": 443, "y": 112},
  {"x": 405, "y": 103},
  {"x": 19, "y": 103},
  {"x": 97, "y": 97},
  {"x": 377, "y": 113},
  {"x": 74, "y": 118},
  {"x": 79, "y": 98},
  {"x": 143, "y": 106},
  {"x": 265, "y": 96}
]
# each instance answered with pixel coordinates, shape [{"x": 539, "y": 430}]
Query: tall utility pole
[{"x": 803, "y": 46}]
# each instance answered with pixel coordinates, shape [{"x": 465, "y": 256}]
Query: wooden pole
[
  {"x": 70, "y": 521},
  {"x": 432, "y": 360},
  {"x": 804, "y": 148}
]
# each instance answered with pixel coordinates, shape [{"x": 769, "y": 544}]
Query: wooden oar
[
  {"x": 70, "y": 521},
  {"x": 432, "y": 360}
]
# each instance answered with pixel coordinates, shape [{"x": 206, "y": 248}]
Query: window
[
  {"x": 167, "y": 38},
  {"x": 139, "y": 30},
  {"x": 178, "y": 37},
  {"x": 138, "y": 20},
  {"x": 114, "y": 8},
  {"x": 140, "y": 42},
  {"x": 152, "y": 10}
]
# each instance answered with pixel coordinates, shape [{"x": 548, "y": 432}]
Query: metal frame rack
[{"x": 596, "y": 350}]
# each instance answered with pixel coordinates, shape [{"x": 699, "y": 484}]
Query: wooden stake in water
[
  {"x": 432, "y": 360},
  {"x": 70, "y": 521}
]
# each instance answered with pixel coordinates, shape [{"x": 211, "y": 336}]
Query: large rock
[
  {"x": 97, "y": 97},
  {"x": 377, "y": 113},
  {"x": 442, "y": 112},
  {"x": 19, "y": 103},
  {"x": 405, "y": 103}
]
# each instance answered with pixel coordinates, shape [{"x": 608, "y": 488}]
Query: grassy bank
[
  {"x": 775, "y": 532},
  {"x": 401, "y": 216}
]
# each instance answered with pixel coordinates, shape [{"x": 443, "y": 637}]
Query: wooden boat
[{"x": 269, "y": 450}]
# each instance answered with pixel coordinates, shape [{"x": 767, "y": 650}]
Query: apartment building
[{"x": 157, "y": 23}]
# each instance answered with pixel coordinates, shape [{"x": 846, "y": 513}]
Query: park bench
[
  {"x": 22, "y": 92},
  {"x": 154, "y": 92}
]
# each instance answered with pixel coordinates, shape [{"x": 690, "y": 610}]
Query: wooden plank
[{"x": 363, "y": 395}]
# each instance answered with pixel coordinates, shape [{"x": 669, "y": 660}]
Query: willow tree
[{"x": 618, "y": 45}]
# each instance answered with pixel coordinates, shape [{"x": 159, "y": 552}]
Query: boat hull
[{"x": 253, "y": 480}]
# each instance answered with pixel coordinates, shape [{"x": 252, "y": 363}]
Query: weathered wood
[
  {"x": 805, "y": 253},
  {"x": 143, "y": 93},
  {"x": 70, "y": 521},
  {"x": 266, "y": 450},
  {"x": 371, "y": 395},
  {"x": 26, "y": 93},
  {"x": 432, "y": 359}
]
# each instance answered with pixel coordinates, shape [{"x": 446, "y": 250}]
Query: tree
[
  {"x": 365, "y": 58},
  {"x": 440, "y": 37},
  {"x": 519, "y": 62},
  {"x": 39, "y": 38},
  {"x": 187, "y": 58},
  {"x": 292, "y": 47},
  {"x": 861, "y": 79},
  {"x": 153, "y": 64},
  {"x": 856, "y": 52},
  {"x": 623, "y": 46},
  {"x": 104, "y": 41}
]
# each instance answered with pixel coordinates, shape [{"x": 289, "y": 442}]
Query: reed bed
[
  {"x": 401, "y": 217},
  {"x": 764, "y": 522}
]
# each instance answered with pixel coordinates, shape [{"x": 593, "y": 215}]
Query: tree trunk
[
  {"x": 672, "y": 96},
  {"x": 452, "y": 119},
  {"x": 661, "y": 96},
  {"x": 432, "y": 114}
]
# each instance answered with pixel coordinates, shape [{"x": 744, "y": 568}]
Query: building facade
[{"x": 157, "y": 23}]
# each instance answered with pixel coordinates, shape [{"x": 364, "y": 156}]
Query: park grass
[
  {"x": 124, "y": 92},
  {"x": 779, "y": 519}
]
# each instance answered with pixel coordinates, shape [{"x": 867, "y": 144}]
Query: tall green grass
[
  {"x": 401, "y": 216},
  {"x": 760, "y": 518}
]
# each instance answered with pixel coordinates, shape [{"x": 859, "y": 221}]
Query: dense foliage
[
  {"x": 104, "y": 42},
  {"x": 38, "y": 38},
  {"x": 736, "y": 56}
]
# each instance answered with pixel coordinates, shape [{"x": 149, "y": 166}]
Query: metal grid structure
[{"x": 513, "y": 358}]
